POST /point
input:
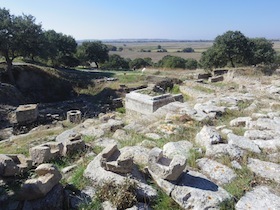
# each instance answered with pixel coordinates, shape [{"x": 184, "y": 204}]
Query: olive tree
[
  {"x": 19, "y": 36},
  {"x": 96, "y": 52}
]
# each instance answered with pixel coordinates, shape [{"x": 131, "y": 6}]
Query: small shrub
[
  {"x": 120, "y": 110},
  {"x": 122, "y": 196},
  {"x": 193, "y": 156}
]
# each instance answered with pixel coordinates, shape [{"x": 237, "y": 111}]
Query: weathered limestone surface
[
  {"x": 265, "y": 169},
  {"x": 243, "y": 143},
  {"x": 217, "y": 172},
  {"x": 193, "y": 191},
  {"x": 183, "y": 148},
  {"x": 260, "y": 197}
]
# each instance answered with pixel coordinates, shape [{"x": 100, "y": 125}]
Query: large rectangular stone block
[
  {"x": 27, "y": 113},
  {"x": 146, "y": 104}
]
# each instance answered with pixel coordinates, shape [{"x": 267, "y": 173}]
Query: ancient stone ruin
[
  {"x": 139, "y": 102},
  {"x": 115, "y": 161}
]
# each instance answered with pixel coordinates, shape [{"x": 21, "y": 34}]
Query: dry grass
[{"x": 21, "y": 144}]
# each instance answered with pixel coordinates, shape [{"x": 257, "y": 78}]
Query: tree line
[{"x": 22, "y": 36}]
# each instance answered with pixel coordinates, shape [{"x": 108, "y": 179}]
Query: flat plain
[{"x": 138, "y": 49}]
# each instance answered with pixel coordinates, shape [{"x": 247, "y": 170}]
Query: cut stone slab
[
  {"x": 153, "y": 136},
  {"x": 217, "y": 172},
  {"x": 177, "y": 148},
  {"x": 121, "y": 135},
  {"x": 243, "y": 143},
  {"x": 166, "y": 168},
  {"x": 259, "y": 135},
  {"x": 261, "y": 198},
  {"x": 112, "y": 125},
  {"x": 265, "y": 169},
  {"x": 193, "y": 191}
]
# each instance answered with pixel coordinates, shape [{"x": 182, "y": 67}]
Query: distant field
[
  {"x": 132, "y": 50},
  {"x": 277, "y": 46}
]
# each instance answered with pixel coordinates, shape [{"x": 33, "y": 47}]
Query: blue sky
[{"x": 167, "y": 19}]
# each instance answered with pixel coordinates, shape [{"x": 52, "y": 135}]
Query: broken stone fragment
[
  {"x": 13, "y": 165},
  {"x": 165, "y": 168}
]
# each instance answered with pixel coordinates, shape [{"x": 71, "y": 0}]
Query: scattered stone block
[
  {"x": 13, "y": 165},
  {"x": 216, "y": 79},
  {"x": 217, "y": 72},
  {"x": 240, "y": 122},
  {"x": 261, "y": 197},
  {"x": 72, "y": 142},
  {"x": 46, "y": 152},
  {"x": 48, "y": 177},
  {"x": 74, "y": 116},
  {"x": 218, "y": 172},
  {"x": 166, "y": 168},
  {"x": 204, "y": 76},
  {"x": 27, "y": 113},
  {"x": 115, "y": 161}
]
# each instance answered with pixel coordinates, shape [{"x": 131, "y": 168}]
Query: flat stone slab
[
  {"x": 243, "y": 143},
  {"x": 194, "y": 191},
  {"x": 265, "y": 169},
  {"x": 217, "y": 172},
  {"x": 260, "y": 197}
]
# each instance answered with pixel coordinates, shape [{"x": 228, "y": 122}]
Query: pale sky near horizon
[{"x": 152, "y": 19}]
